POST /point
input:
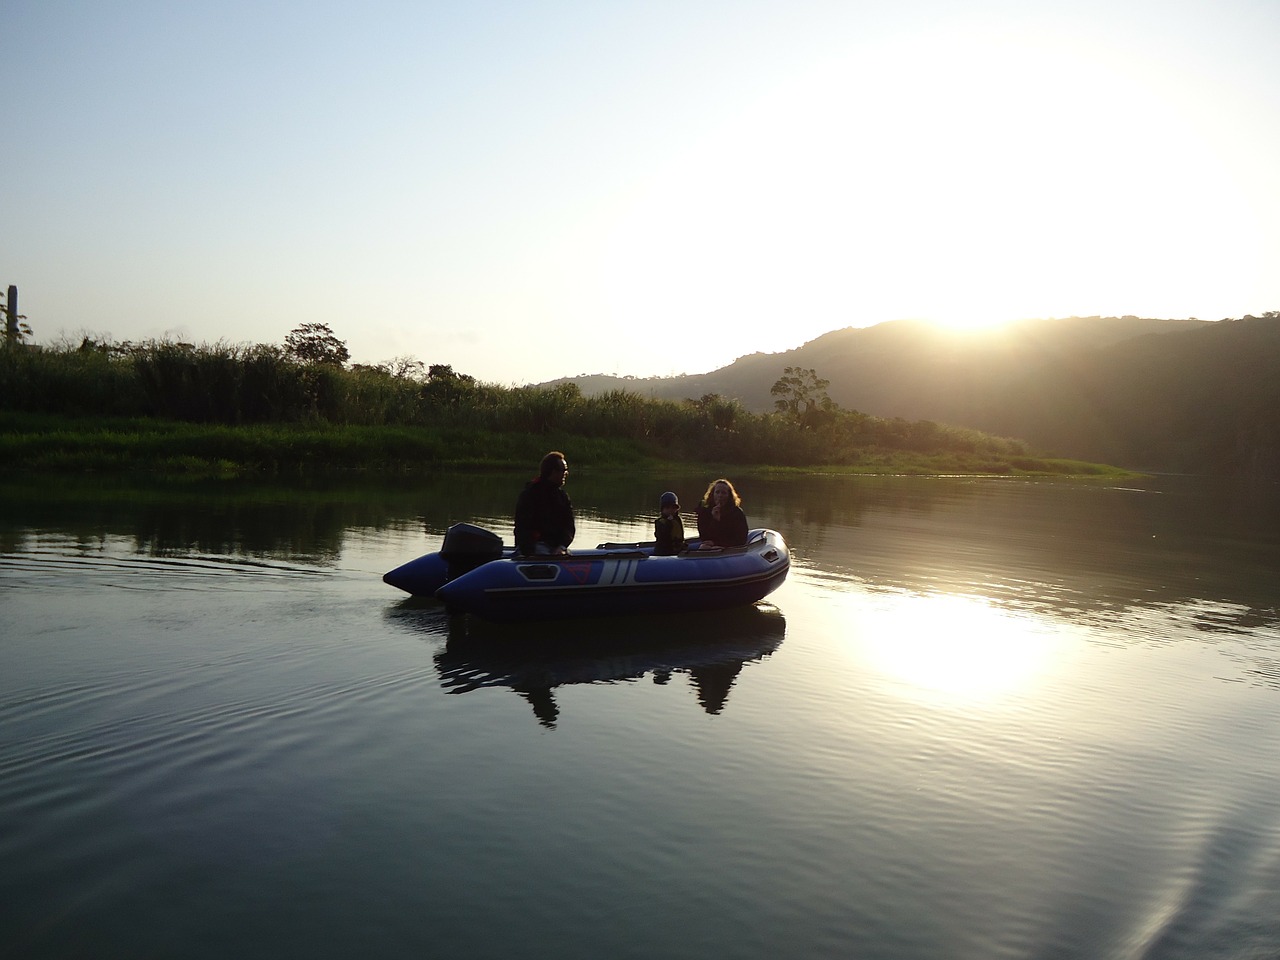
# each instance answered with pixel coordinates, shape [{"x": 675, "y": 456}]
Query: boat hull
[{"x": 610, "y": 580}]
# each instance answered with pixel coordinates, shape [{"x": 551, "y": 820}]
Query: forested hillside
[{"x": 1173, "y": 395}]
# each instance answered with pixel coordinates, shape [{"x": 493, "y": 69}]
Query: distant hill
[{"x": 1167, "y": 395}]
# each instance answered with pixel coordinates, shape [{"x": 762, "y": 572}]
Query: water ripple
[{"x": 45, "y": 569}]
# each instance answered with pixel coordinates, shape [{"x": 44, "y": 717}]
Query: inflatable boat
[{"x": 474, "y": 573}]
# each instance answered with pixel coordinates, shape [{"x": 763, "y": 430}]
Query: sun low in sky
[{"x": 527, "y": 191}]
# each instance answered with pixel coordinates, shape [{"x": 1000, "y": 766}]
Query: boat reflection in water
[{"x": 534, "y": 659}]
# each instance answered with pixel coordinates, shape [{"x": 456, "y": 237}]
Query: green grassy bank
[
  {"x": 46, "y": 442},
  {"x": 216, "y": 409}
]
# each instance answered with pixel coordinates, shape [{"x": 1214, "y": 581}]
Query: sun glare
[
  {"x": 958, "y": 647},
  {"x": 966, "y": 320},
  {"x": 949, "y": 195}
]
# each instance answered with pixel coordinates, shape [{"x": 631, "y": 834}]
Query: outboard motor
[{"x": 467, "y": 546}]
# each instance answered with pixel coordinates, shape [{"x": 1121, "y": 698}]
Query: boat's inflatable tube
[{"x": 474, "y": 574}]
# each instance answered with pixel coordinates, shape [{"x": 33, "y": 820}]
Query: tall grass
[
  {"x": 433, "y": 417},
  {"x": 71, "y": 381}
]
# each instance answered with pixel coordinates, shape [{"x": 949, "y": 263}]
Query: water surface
[{"x": 983, "y": 718}]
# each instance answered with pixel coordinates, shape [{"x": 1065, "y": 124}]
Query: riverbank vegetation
[{"x": 226, "y": 408}]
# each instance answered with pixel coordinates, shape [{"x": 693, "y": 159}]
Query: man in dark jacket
[{"x": 544, "y": 514}]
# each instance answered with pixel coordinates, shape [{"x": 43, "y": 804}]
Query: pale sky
[{"x": 542, "y": 189}]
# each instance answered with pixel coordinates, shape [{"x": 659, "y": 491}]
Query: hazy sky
[{"x": 538, "y": 189}]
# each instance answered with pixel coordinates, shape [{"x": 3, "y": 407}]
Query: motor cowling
[{"x": 467, "y": 546}]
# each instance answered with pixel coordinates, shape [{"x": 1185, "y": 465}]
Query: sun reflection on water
[{"x": 959, "y": 646}]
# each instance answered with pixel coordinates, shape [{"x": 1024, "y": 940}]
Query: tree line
[{"x": 308, "y": 380}]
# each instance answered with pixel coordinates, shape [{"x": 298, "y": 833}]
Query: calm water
[{"x": 982, "y": 719}]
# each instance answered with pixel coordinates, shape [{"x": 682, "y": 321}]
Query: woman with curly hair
[{"x": 721, "y": 522}]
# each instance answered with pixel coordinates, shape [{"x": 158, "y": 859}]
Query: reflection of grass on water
[
  {"x": 122, "y": 445},
  {"x": 282, "y": 515}
]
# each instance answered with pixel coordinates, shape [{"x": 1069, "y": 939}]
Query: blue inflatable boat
[{"x": 473, "y": 573}]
